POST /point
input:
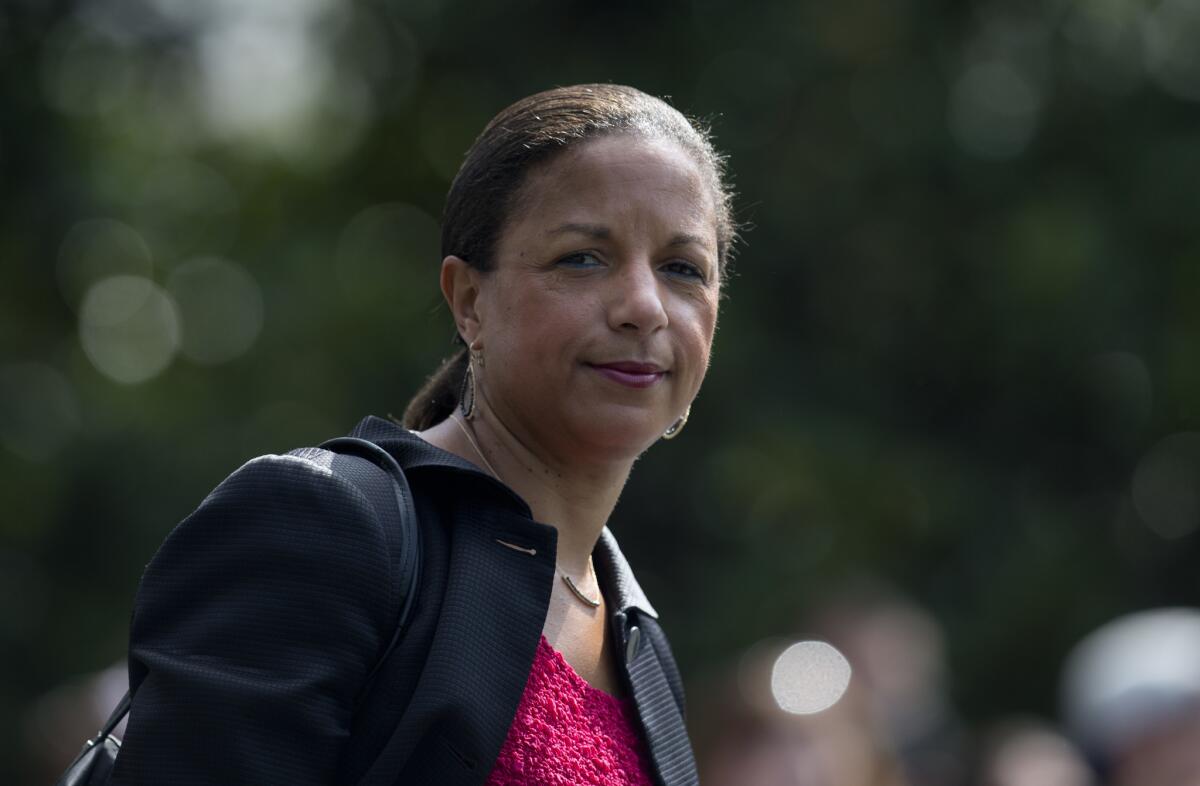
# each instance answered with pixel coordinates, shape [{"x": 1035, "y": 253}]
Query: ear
[{"x": 460, "y": 286}]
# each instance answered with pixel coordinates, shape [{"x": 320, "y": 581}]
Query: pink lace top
[{"x": 567, "y": 732}]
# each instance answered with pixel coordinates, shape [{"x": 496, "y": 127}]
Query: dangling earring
[
  {"x": 678, "y": 425},
  {"x": 466, "y": 395}
]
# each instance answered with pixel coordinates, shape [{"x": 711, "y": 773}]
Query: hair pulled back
[{"x": 487, "y": 189}]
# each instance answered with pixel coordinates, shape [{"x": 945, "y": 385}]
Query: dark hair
[{"x": 528, "y": 133}]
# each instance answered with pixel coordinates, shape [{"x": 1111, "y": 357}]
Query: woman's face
[{"x": 597, "y": 321}]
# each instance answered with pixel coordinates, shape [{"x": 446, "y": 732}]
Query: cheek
[
  {"x": 703, "y": 325},
  {"x": 544, "y": 329},
  {"x": 697, "y": 341}
]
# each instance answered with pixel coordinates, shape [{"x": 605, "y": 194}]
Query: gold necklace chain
[{"x": 594, "y": 603}]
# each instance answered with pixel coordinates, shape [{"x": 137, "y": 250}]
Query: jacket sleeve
[{"x": 254, "y": 629}]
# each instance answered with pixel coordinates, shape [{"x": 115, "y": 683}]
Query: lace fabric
[{"x": 568, "y": 732}]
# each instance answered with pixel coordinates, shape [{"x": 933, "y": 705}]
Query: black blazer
[{"x": 260, "y": 621}]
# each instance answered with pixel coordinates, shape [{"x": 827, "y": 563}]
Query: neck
[{"x": 576, "y": 498}]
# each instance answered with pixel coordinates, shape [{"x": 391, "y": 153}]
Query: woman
[{"x": 585, "y": 240}]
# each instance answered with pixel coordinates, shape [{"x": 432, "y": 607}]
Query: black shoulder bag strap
[
  {"x": 95, "y": 762},
  {"x": 407, "y": 551}
]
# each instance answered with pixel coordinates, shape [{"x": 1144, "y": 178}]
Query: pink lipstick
[{"x": 631, "y": 374}]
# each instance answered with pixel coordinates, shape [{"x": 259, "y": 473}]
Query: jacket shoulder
[{"x": 255, "y": 628}]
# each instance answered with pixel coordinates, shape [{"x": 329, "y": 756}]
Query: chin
[{"x": 616, "y": 438}]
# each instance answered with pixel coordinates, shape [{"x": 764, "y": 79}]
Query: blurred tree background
[{"x": 958, "y": 353}]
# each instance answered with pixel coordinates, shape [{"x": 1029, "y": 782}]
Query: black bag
[{"x": 95, "y": 762}]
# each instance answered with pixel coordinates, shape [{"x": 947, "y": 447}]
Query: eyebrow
[
  {"x": 684, "y": 239},
  {"x": 597, "y": 231},
  {"x": 601, "y": 232}
]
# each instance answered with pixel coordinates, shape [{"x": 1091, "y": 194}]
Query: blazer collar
[
  {"x": 612, "y": 569},
  {"x": 415, "y": 453}
]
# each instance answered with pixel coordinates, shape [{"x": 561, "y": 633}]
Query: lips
[{"x": 631, "y": 373}]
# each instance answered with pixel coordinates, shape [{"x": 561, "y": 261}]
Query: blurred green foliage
[{"x": 964, "y": 315}]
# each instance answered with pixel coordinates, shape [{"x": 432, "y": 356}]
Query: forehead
[{"x": 619, "y": 178}]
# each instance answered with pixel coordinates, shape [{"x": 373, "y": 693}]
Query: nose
[{"x": 636, "y": 302}]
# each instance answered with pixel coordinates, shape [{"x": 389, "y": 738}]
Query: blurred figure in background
[
  {"x": 898, "y": 653},
  {"x": 753, "y": 741},
  {"x": 57, "y": 722},
  {"x": 1028, "y": 752},
  {"x": 1131, "y": 697},
  {"x": 867, "y": 703}
]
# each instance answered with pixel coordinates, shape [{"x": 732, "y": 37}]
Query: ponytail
[{"x": 438, "y": 397}]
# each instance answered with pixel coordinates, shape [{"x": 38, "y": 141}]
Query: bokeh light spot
[
  {"x": 808, "y": 677},
  {"x": 1166, "y": 486},
  {"x": 260, "y": 78},
  {"x": 268, "y": 82},
  {"x": 96, "y": 249},
  {"x": 993, "y": 110},
  {"x": 219, "y": 13},
  {"x": 220, "y": 307},
  {"x": 84, "y": 73},
  {"x": 1105, "y": 38},
  {"x": 39, "y": 411},
  {"x": 187, "y": 208},
  {"x": 1172, "y": 55},
  {"x": 129, "y": 328}
]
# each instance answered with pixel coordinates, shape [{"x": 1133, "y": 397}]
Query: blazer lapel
[
  {"x": 642, "y": 651},
  {"x": 491, "y": 620},
  {"x": 495, "y": 602}
]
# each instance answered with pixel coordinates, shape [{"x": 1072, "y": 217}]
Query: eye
[
  {"x": 580, "y": 260},
  {"x": 682, "y": 267}
]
